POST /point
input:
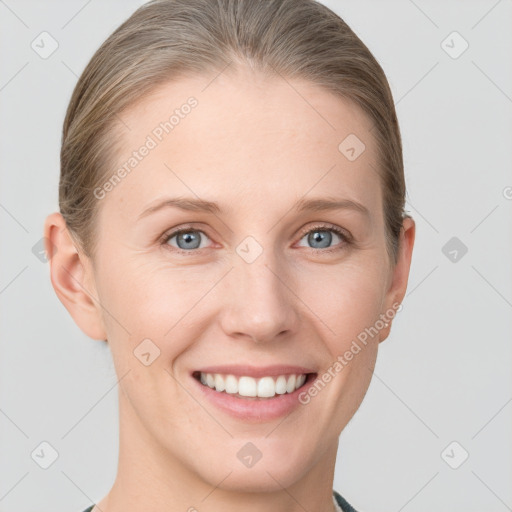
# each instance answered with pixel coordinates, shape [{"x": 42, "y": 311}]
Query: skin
[{"x": 256, "y": 146}]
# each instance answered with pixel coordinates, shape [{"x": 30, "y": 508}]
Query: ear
[
  {"x": 399, "y": 273},
  {"x": 72, "y": 277}
]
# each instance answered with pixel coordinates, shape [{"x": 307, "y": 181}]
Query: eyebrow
[{"x": 201, "y": 205}]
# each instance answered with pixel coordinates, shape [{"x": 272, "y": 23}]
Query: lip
[
  {"x": 256, "y": 372},
  {"x": 254, "y": 409}
]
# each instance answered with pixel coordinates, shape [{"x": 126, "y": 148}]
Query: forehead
[{"x": 245, "y": 140}]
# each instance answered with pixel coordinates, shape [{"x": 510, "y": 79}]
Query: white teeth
[
  {"x": 219, "y": 383},
  {"x": 281, "y": 385},
  {"x": 231, "y": 384},
  {"x": 266, "y": 387},
  {"x": 247, "y": 386},
  {"x": 210, "y": 380},
  {"x": 290, "y": 385}
]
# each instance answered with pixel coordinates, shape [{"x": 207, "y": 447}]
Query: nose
[{"x": 259, "y": 302}]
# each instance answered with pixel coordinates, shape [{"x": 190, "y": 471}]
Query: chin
[
  {"x": 256, "y": 480},
  {"x": 270, "y": 473}
]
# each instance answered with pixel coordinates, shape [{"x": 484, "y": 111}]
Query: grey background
[{"x": 443, "y": 375}]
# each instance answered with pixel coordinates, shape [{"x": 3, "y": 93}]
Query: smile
[{"x": 250, "y": 387}]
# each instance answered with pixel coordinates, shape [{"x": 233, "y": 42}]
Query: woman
[{"x": 231, "y": 223}]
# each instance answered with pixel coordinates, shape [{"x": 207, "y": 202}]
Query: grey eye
[
  {"x": 187, "y": 240},
  {"x": 321, "y": 238}
]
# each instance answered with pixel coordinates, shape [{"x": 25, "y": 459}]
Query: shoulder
[
  {"x": 340, "y": 500},
  {"x": 344, "y": 505}
]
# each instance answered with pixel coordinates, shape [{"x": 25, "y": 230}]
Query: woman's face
[{"x": 256, "y": 281}]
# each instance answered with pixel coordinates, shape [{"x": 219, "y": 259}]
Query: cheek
[
  {"x": 144, "y": 295},
  {"x": 346, "y": 298},
  {"x": 153, "y": 301}
]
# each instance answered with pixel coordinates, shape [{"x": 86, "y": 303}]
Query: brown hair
[{"x": 165, "y": 39}]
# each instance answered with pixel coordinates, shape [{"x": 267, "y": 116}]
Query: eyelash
[{"x": 345, "y": 237}]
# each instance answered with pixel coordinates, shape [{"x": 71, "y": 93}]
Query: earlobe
[
  {"x": 400, "y": 273},
  {"x": 71, "y": 277}
]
